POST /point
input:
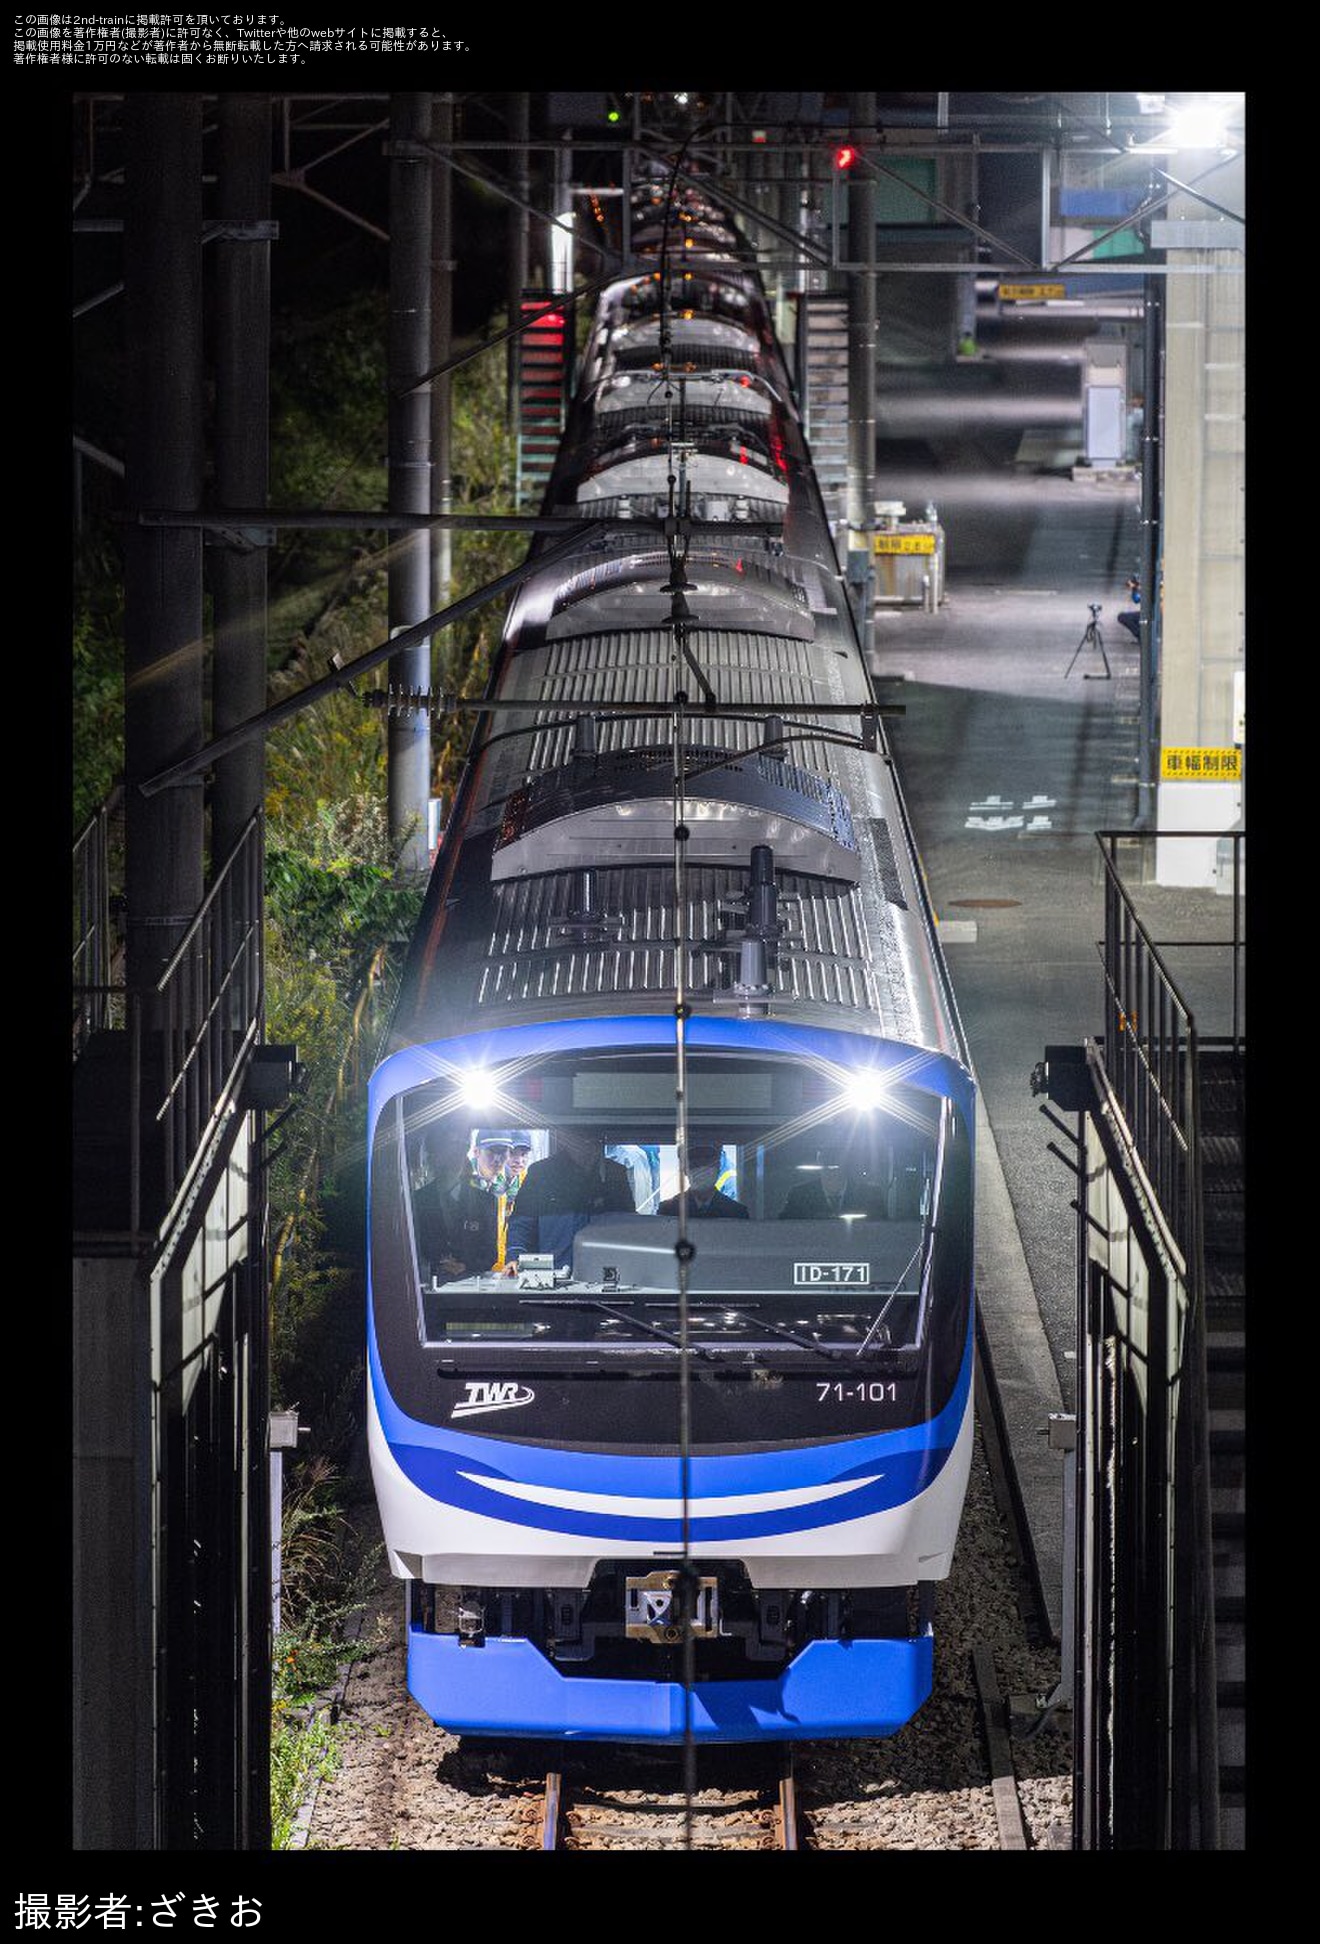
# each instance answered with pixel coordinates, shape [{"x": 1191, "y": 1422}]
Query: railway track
[
  {"x": 401, "y": 1783},
  {"x": 749, "y": 1802}
]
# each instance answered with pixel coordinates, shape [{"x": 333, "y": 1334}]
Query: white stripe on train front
[
  {"x": 451, "y": 1546},
  {"x": 611, "y": 1505}
]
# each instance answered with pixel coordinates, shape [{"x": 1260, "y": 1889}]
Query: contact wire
[
  {"x": 682, "y": 1247},
  {"x": 683, "y": 1251}
]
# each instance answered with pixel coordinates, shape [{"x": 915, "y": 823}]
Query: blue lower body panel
[{"x": 834, "y": 1689}]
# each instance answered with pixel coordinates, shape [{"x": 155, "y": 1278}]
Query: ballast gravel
[{"x": 403, "y": 1784}]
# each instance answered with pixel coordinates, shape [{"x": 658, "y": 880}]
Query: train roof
[{"x": 554, "y": 892}]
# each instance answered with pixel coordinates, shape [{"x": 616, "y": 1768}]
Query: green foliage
[
  {"x": 322, "y": 1582},
  {"x": 330, "y": 889},
  {"x": 301, "y": 1752},
  {"x": 312, "y": 1536},
  {"x": 329, "y": 438},
  {"x": 332, "y": 902},
  {"x": 329, "y": 591},
  {"x": 304, "y": 1007},
  {"x": 483, "y": 458},
  {"x": 317, "y": 1342},
  {"x": 332, "y": 905}
]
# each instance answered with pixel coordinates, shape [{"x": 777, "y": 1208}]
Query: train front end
[{"x": 695, "y": 1470}]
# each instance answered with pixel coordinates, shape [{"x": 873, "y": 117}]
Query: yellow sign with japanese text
[
  {"x": 1201, "y": 765},
  {"x": 1029, "y": 293},
  {"x": 904, "y": 543}
]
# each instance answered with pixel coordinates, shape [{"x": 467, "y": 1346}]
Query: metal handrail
[
  {"x": 1110, "y": 839},
  {"x": 93, "y": 941},
  {"x": 209, "y": 1001},
  {"x": 1152, "y": 1062},
  {"x": 206, "y": 1007},
  {"x": 1152, "y": 1053}
]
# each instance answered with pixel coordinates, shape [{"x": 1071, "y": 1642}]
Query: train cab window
[{"x": 801, "y": 1205}]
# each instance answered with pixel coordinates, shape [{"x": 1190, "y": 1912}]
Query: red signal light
[{"x": 845, "y": 156}]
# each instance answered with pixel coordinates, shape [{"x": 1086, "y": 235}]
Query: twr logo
[{"x": 492, "y": 1397}]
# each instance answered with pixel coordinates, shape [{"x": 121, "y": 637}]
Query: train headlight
[
  {"x": 478, "y": 1090},
  {"x": 867, "y": 1090}
]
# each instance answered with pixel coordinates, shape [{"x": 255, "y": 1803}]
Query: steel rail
[
  {"x": 1003, "y": 1781},
  {"x": 788, "y": 1825},
  {"x": 778, "y": 1797},
  {"x": 552, "y": 1809}
]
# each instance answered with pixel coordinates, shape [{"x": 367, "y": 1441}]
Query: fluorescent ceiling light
[{"x": 1198, "y": 125}]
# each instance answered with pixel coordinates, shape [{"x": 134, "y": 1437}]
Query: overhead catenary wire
[{"x": 683, "y": 1247}]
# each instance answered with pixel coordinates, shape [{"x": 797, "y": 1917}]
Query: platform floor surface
[{"x": 1014, "y": 750}]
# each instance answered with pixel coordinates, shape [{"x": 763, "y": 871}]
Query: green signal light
[{"x": 613, "y": 115}]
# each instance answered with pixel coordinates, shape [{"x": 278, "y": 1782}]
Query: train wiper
[
  {"x": 748, "y": 1314},
  {"x": 611, "y": 1310},
  {"x": 894, "y": 1294},
  {"x": 775, "y": 1329}
]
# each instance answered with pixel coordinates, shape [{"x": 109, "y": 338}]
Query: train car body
[{"x": 651, "y": 1475}]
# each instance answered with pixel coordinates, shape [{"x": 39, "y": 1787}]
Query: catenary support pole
[
  {"x": 409, "y": 747},
  {"x": 1149, "y": 629},
  {"x": 519, "y": 135},
  {"x": 238, "y": 690},
  {"x": 861, "y": 373},
  {"x": 242, "y": 464},
  {"x": 442, "y": 333},
  {"x": 163, "y": 659}
]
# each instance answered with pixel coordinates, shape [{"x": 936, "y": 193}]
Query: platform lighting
[
  {"x": 1198, "y": 125},
  {"x": 561, "y": 250}
]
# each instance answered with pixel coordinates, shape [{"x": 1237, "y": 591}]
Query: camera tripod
[{"x": 1092, "y": 638}]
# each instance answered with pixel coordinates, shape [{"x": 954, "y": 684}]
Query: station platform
[{"x": 1013, "y": 752}]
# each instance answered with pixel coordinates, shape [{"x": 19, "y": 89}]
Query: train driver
[{"x": 563, "y": 1193}]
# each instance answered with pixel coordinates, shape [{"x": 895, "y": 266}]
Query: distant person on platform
[
  {"x": 705, "y": 1198},
  {"x": 1132, "y": 622},
  {"x": 562, "y": 1194}
]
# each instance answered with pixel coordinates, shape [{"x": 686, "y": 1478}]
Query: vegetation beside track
[
  {"x": 336, "y": 920},
  {"x": 336, "y": 916}
]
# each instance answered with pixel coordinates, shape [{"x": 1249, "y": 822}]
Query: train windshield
[{"x": 804, "y": 1210}]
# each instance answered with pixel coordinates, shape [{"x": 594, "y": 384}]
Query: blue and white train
[{"x": 651, "y": 1476}]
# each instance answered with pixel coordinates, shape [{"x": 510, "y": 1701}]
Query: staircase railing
[
  {"x": 188, "y": 1034},
  {"x": 1151, "y": 1053},
  {"x": 94, "y": 940}
]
